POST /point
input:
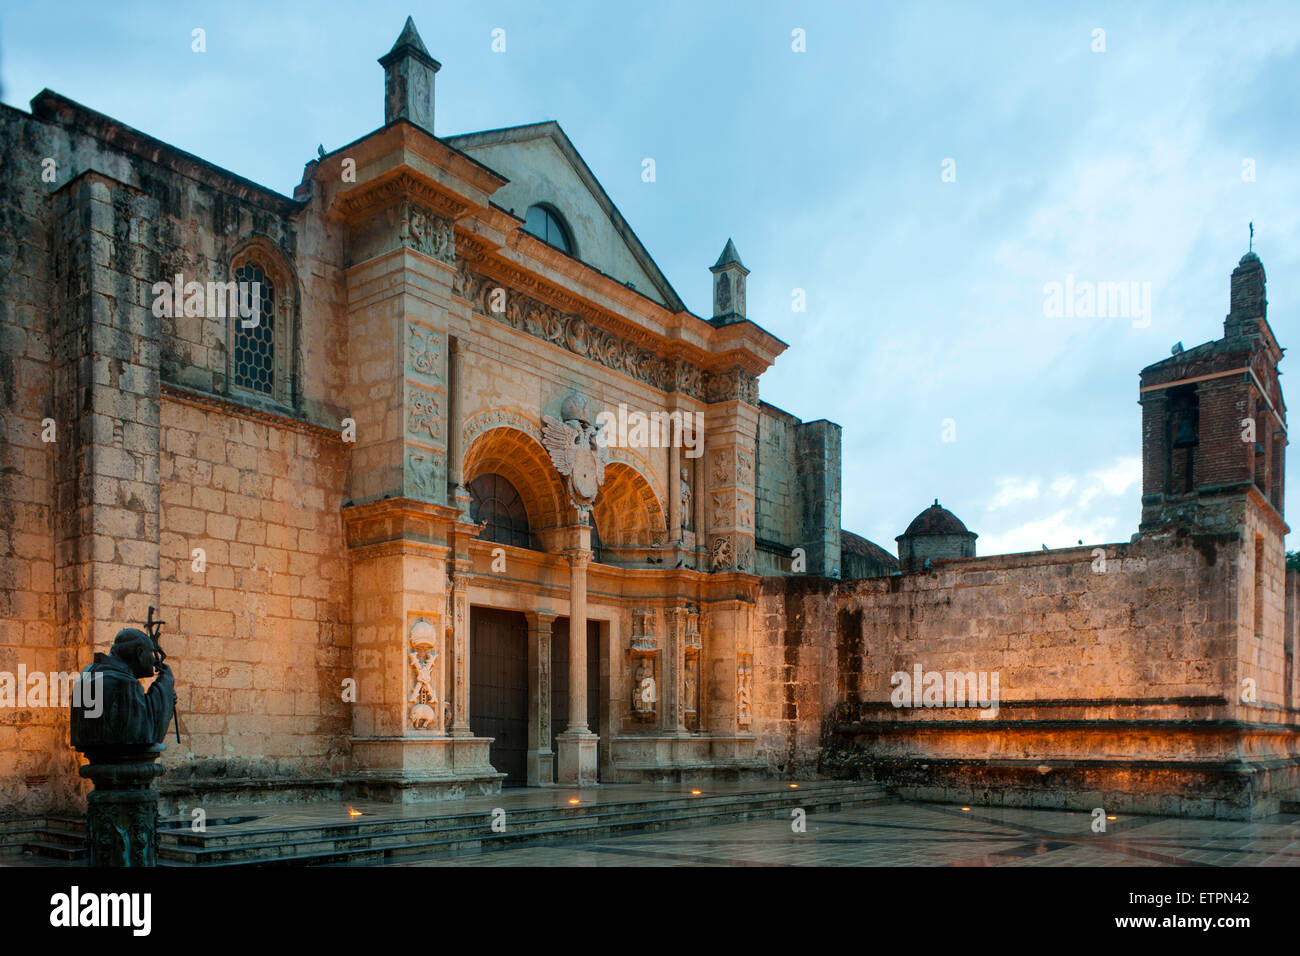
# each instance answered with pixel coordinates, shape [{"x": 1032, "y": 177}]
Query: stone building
[
  {"x": 936, "y": 533},
  {"x": 440, "y": 487}
]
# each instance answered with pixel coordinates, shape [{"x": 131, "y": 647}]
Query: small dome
[
  {"x": 1248, "y": 258},
  {"x": 936, "y": 519}
]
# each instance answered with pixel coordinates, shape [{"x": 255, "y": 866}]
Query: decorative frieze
[
  {"x": 428, "y": 232},
  {"x": 497, "y": 300}
]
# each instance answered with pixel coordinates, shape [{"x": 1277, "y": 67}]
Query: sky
[{"x": 923, "y": 172}]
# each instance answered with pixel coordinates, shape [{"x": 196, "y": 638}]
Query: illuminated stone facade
[{"x": 396, "y": 561}]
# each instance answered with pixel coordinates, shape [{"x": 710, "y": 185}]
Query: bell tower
[{"x": 1213, "y": 420}]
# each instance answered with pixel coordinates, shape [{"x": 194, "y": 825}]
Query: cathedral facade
[{"x": 441, "y": 488}]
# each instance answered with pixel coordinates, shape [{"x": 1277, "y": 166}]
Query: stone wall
[
  {"x": 262, "y": 633},
  {"x": 1118, "y": 682},
  {"x": 36, "y": 766},
  {"x": 797, "y": 492}
]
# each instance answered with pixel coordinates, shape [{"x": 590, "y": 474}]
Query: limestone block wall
[
  {"x": 36, "y": 765},
  {"x": 797, "y": 487},
  {"x": 1100, "y": 666},
  {"x": 776, "y": 491},
  {"x": 261, "y": 635}
]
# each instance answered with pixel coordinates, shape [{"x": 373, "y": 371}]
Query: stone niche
[
  {"x": 642, "y": 670},
  {"x": 691, "y": 667}
]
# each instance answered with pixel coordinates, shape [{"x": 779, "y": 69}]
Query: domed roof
[
  {"x": 936, "y": 519},
  {"x": 851, "y": 543}
]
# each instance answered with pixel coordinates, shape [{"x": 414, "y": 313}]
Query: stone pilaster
[
  {"x": 730, "y": 476},
  {"x": 674, "y": 718},
  {"x": 107, "y": 412},
  {"x": 541, "y": 759}
]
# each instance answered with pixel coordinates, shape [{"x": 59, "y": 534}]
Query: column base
[
  {"x": 541, "y": 768},
  {"x": 576, "y": 759},
  {"x": 422, "y": 769}
]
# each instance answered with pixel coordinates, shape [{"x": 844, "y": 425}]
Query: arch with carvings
[
  {"x": 507, "y": 450},
  {"x": 627, "y": 511}
]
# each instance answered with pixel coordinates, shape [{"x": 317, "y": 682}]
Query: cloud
[
  {"x": 1011, "y": 490},
  {"x": 1086, "y": 508}
]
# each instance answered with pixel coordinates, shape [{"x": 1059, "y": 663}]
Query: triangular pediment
[{"x": 544, "y": 169}]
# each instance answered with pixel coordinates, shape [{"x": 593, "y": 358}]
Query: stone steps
[
  {"x": 383, "y": 841},
  {"x": 52, "y": 838}
]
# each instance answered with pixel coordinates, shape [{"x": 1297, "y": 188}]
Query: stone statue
[
  {"x": 743, "y": 713},
  {"x": 120, "y": 730},
  {"x": 643, "y": 689},
  {"x": 687, "y": 500},
  {"x": 127, "y": 715}
]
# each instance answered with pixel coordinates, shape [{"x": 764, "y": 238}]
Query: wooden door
[{"x": 498, "y": 688}]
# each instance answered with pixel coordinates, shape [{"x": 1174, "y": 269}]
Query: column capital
[
  {"x": 578, "y": 557},
  {"x": 540, "y": 622}
]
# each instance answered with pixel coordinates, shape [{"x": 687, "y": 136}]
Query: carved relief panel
[
  {"x": 744, "y": 690},
  {"x": 424, "y": 699}
]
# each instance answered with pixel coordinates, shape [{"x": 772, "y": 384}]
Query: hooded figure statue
[{"x": 123, "y": 713}]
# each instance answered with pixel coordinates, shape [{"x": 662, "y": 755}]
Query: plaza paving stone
[{"x": 918, "y": 834}]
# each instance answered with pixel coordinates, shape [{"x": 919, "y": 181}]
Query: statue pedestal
[
  {"x": 576, "y": 758},
  {"x": 122, "y": 810}
]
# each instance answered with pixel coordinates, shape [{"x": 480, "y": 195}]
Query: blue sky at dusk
[{"x": 925, "y": 298}]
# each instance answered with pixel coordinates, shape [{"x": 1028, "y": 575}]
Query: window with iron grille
[
  {"x": 495, "y": 500},
  {"x": 253, "y": 356}
]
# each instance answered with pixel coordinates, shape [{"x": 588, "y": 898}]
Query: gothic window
[
  {"x": 597, "y": 549},
  {"x": 254, "y": 352},
  {"x": 545, "y": 223},
  {"x": 495, "y": 500},
  {"x": 260, "y": 352}
]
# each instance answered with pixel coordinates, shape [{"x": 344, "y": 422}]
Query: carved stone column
[
  {"x": 457, "y": 496},
  {"x": 674, "y": 659},
  {"x": 459, "y": 613},
  {"x": 675, "y": 516},
  {"x": 541, "y": 759},
  {"x": 577, "y": 745},
  {"x": 122, "y": 810}
]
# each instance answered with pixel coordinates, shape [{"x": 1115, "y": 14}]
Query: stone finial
[
  {"x": 729, "y": 286},
  {"x": 408, "y": 80}
]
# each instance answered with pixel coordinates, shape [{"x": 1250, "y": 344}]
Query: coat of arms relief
[{"x": 576, "y": 452}]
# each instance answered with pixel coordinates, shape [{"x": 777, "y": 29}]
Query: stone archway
[
  {"x": 628, "y": 512},
  {"x": 519, "y": 458}
]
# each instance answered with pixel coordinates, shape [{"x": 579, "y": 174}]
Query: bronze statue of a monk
[{"x": 127, "y": 714}]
